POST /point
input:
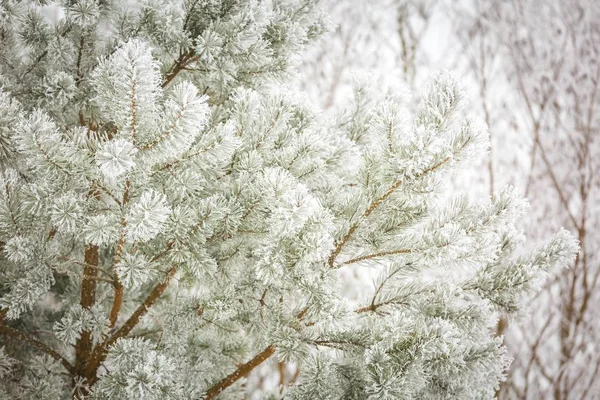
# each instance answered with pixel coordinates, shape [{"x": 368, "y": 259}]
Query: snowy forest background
[{"x": 533, "y": 68}]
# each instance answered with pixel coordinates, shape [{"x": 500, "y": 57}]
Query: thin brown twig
[
  {"x": 375, "y": 255},
  {"x": 241, "y": 372},
  {"x": 180, "y": 64},
  {"x": 340, "y": 245},
  {"x": 101, "y": 350}
]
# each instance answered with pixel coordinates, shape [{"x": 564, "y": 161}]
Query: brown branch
[
  {"x": 101, "y": 350},
  {"x": 534, "y": 350},
  {"x": 375, "y": 255},
  {"x": 7, "y": 330},
  {"x": 182, "y": 63},
  {"x": 119, "y": 290},
  {"x": 105, "y": 190},
  {"x": 340, "y": 245},
  {"x": 486, "y": 113},
  {"x": 536, "y": 125},
  {"x": 163, "y": 135},
  {"x": 375, "y": 306},
  {"x": 370, "y": 307},
  {"x": 83, "y": 347},
  {"x": 242, "y": 371},
  {"x": 133, "y": 110},
  {"x": 164, "y": 252},
  {"x": 143, "y": 308},
  {"x": 35, "y": 63},
  {"x": 79, "y": 76},
  {"x": 337, "y": 75},
  {"x": 281, "y": 369}
]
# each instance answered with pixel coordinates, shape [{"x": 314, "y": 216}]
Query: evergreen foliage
[{"x": 170, "y": 219}]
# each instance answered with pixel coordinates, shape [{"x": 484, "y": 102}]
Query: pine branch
[
  {"x": 89, "y": 282},
  {"x": 183, "y": 158},
  {"x": 43, "y": 54},
  {"x": 370, "y": 307},
  {"x": 375, "y": 255},
  {"x": 119, "y": 290},
  {"x": 79, "y": 75},
  {"x": 182, "y": 63},
  {"x": 100, "y": 352},
  {"x": 143, "y": 308},
  {"x": 164, "y": 135},
  {"x": 34, "y": 64},
  {"x": 7, "y": 330},
  {"x": 242, "y": 371},
  {"x": 133, "y": 110},
  {"x": 375, "y": 306},
  {"x": 163, "y": 253},
  {"x": 340, "y": 245},
  {"x": 108, "y": 192},
  {"x": 338, "y": 344}
]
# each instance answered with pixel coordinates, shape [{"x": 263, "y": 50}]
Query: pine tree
[{"x": 170, "y": 219}]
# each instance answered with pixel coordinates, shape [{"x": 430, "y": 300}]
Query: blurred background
[{"x": 532, "y": 67}]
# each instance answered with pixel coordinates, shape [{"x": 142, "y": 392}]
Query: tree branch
[
  {"x": 340, "y": 245},
  {"x": 101, "y": 350},
  {"x": 83, "y": 347},
  {"x": 143, "y": 308},
  {"x": 375, "y": 255},
  {"x": 7, "y": 330},
  {"x": 369, "y": 211},
  {"x": 119, "y": 290},
  {"x": 182, "y": 62},
  {"x": 242, "y": 371}
]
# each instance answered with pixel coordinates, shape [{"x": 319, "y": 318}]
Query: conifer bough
[{"x": 170, "y": 221}]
